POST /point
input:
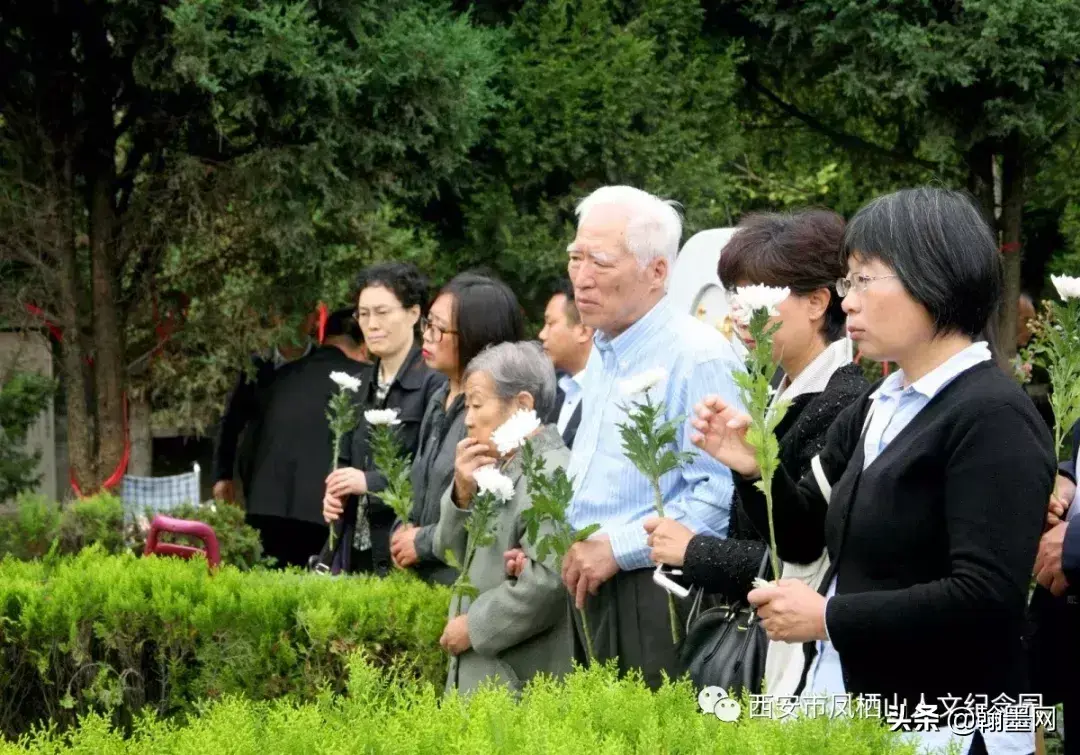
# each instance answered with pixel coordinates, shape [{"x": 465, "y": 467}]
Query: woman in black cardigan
[
  {"x": 930, "y": 492},
  {"x": 389, "y": 301},
  {"x": 802, "y": 252}
]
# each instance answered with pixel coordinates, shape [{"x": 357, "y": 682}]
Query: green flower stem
[
  {"x": 333, "y": 468},
  {"x": 773, "y": 558},
  {"x": 658, "y": 502},
  {"x": 588, "y": 636}
]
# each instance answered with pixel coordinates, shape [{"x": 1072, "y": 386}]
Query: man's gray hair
[
  {"x": 517, "y": 367},
  {"x": 653, "y": 225}
]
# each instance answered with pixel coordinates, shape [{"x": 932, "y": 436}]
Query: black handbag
[{"x": 725, "y": 646}]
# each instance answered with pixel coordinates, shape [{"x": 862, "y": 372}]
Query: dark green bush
[
  {"x": 23, "y": 397},
  {"x": 113, "y": 634},
  {"x": 591, "y": 712}
]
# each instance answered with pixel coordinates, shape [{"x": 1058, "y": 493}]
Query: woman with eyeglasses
[
  {"x": 930, "y": 492},
  {"x": 471, "y": 313},
  {"x": 802, "y": 252},
  {"x": 388, "y": 309}
]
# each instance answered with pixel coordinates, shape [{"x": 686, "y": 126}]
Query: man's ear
[
  {"x": 583, "y": 333},
  {"x": 658, "y": 272}
]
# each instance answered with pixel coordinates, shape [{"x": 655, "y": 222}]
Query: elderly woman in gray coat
[{"x": 516, "y": 627}]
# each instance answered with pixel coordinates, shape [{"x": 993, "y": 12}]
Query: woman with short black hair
[
  {"x": 930, "y": 492},
  {"x": 470, "y": 313},
  {"x": 390, "y": 300},
  {"x": 802, "y": 252}
]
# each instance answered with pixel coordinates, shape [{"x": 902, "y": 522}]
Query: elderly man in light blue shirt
[{"x": 620, "y": 260}]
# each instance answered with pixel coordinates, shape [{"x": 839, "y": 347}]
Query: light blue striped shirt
[
  {"x": 893, "y": 409},
  {"x": 608, "y": 488}
]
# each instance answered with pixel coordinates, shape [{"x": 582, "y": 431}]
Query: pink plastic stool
[{"x": 182, "y": 527}]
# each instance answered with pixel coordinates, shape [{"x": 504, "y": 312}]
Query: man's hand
[
  {"x": 346, "y": 481},
  {"x": 332, "y": 508},
  {"x": 587, "y": 565},
  {"x": 668, "y": 540},
  {"x": 225, "y": 490},
  {"x": 1060, "y": 500},
  {"x": 1048, "y": 568},
  {"x": 790, "y": 610},
  {"x": 403, "y": 547},
  {"x": 455, "y": 638},
  {"x": 515, "y": 562}
]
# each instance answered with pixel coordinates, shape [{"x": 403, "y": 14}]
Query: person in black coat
[
  {"x": 930, "y": 492},
  {"x": 471, "y": 313},
  {"x": 293, "y": 446},
  {"x": 389, "y": 306},
  {"x": 232, "y": 445},
  {"x": 568, "y": 343},
  {"x": 1055, "y": 604},
  {"x": 802, "y": 252}
]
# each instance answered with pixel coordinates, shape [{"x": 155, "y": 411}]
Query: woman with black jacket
[
  {"x": 802, "y": 252},
  {"x": 929, "y": 494},
  {"x": 388, "y": 310},
  {"x": 471, "y": 313}
]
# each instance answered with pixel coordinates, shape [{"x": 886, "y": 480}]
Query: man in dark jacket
[
  {"x": 293, "y": 445},
  {"x": 233, "y": 443},
  {"x": 568, "y": 343}
]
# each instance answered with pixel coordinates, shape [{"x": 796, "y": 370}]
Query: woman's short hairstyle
[
  {"x": 800, "y": 250},
  {"x": 486, "y": 312},
  {"x": 942, "y": 249},
  {"x": 516, "y": 368},
  {"x": 409, "y": 285}
]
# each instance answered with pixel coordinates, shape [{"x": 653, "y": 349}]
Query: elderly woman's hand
[
  {"x": 790, "y": 610},
  {"x": 471, "y": 455},
  {"x": 668, "y": 540}
]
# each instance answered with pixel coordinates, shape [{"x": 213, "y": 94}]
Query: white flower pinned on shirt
[
  {"x": 491, "y": 480},
  {"x": 642, "y": 382},
  {"x": 382, "y": 417},
  {"x": 1068, "y": 287},
  {"x": 749, "y": 299},
  {"x": 511, "y": 434},
  {"x": 346, "y": 381}
]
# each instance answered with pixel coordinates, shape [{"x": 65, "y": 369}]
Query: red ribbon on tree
[
  {"x": 1011, "y": 248},
  {"x": 324, "y": 315}
]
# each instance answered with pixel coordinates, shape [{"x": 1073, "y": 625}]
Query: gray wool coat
[{"x": 517, "y": 627}]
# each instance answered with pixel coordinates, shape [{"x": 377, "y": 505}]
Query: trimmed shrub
[
  {"x": 33, "y": 525},
  {"x": 113, "y": 634},
  {"x": 591, "y": 712}
]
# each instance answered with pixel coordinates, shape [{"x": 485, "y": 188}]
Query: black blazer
[
  {"x": 570, "y": 432},
  {"x": 412, "y": 389},
  {"x": 932, "y": 545},
  {"x": 292, "y": 439},
  {"x": 729, "y": 565}
]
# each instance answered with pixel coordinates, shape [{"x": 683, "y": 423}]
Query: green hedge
[
  {"x": 591, "y": 712},
  {"x": 35, "y": 525},
  {"x": 116, "y": 633}
]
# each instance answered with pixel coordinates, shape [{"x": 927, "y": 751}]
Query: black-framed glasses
[
  {"x": 437, "y": 331},
  {"x": 845, "y": 286}
]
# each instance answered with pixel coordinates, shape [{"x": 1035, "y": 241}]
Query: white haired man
[{"x": 625, "y": 248}]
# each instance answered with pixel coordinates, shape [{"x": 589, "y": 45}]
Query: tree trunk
[
  {"x": 1012, "y": 209},
  {"x": 980, "y": 164},
  {"x": 140, "y": 431}
]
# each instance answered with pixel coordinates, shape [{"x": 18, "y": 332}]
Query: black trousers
[
  {"x": 291, "y": 542},
  {"x": 629, "y": 620}
]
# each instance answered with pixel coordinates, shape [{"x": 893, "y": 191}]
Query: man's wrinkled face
[{"x": 612, "y": 289}]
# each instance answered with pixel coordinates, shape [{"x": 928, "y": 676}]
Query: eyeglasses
[
  {"x": 845, "y": 286},
  {"x": 363, "y": 315},
  {"x": 437, "y": 331}
]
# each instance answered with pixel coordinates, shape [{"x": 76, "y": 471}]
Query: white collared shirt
[{"x": 571, "y": 388}]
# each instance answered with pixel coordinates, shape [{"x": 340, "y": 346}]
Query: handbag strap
[{"x": 699, "y": 594}]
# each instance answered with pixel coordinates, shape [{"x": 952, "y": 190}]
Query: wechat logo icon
[{"x": 715, "y": 700}]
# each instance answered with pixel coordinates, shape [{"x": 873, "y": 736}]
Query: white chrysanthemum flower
[
  {"x": 346, "y": 381},
  {"x": 1068, "y": 287},
  {"x": 491, "y": 480},
  {"x": 382, "y": 417},
  {"x": 749, "y": 299},
  {"x": 510, "y": 435},
  {"x": 642, "y": 382}
]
